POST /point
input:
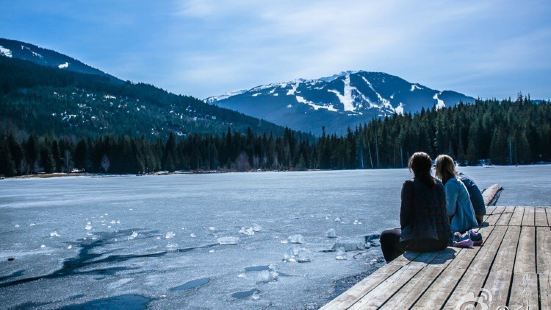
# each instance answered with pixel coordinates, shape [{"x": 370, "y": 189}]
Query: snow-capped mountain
[
  {"x": 41, "y": 56},
  {"x": 337, "y": 102}
]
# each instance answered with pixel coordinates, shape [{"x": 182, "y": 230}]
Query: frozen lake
[{"x": 154, "y": 241}]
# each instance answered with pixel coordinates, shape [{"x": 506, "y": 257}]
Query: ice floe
[
  {"x": 296, "y": 239},
  {"x": 133, "y": 235},
  {"x": 298, "y": 255},
  {"x": 331, "y": 233},
  {"x": 266, "y": 276},
  {"x": 246, "y": 231},
  {"x": 170, "y": 235},
  {"x": 349, "y": 245},
  {"x": 229, "y": 240},
  {"x": 341, "y": 254}
]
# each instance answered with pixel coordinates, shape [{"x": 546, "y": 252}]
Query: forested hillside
[
  {"x": 501, "y": 132},
  {"x": 40, "y": 100}
]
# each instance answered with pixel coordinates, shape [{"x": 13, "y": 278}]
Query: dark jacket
[
  {"x": 474, "y": 193},
  {"x": 423, "y": 216}
]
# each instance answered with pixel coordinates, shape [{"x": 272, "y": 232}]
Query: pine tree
[
  {"x": 81, "y": 154},
  {"x": 7, "y": 166},
  {"x": 46, "y": 160}
]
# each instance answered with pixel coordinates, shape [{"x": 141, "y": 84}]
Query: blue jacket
[
  {"x": 474, "y": 193},
  {"x": 460, "y": 209}
]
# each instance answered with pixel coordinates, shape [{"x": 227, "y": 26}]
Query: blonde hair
[{"x": 445, "y": 168}]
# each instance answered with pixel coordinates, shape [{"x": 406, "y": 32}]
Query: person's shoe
[
  {"x": 476, "y": 237},
  {"x": 458, "y": 237},
  {"x": 467, "y": 243}
]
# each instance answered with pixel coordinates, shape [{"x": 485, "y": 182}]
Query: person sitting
[
  {"x": 476, "y": 197},
  {"x": 424, "y": 223},
  {"x": 458, "y": 202}
]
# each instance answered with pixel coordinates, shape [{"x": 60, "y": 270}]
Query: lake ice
[{"x": 232, "y": 241}]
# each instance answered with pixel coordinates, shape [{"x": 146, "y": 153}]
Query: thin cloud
[{"x": 491, "y": 48}]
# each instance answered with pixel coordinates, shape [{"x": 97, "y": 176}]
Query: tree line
[{"x": 499, "y": 132}]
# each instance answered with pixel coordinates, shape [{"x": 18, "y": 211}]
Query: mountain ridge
[
  {"x": 38, "y": 96},
  {"x": 46, "y": 57},
  {"x": 336, "y": 102}
]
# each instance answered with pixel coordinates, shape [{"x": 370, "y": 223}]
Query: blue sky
[{"x": 490, "y": 48}]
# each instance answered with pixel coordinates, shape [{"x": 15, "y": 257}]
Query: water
[{"x": 152, "y": 241}]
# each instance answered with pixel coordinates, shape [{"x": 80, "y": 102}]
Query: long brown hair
[
  {"x": 420, "y": 163},
  {"x": 445, "y": 168}
]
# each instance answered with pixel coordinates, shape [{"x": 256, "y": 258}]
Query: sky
[{"x": 487, "y": 49}]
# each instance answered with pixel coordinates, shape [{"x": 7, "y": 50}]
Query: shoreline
[
  {"x": 161, "y": 173},
  {"x": 158, "y": 173}
]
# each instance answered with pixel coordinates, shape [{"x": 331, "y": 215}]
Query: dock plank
[
  {"x": 378, "y": 296},
  {"x": 543, "y": 265},
  {"x": 499, "y": 279},
  {"x": 540, "y": 218},
  {"x": 473, "y": 280},
  {"x": 351, "y": 296},
  {"x": 528, "y": 218},
  {"x": 505, "y": 216},
  {"x": 496, "y": 214},
  {"x": 512, "y": 268},
  {"x": 516, "y": 219},
  {"x": 524, "y": 288},
  {"x": 439, "y": 289},
  {"x": 410, "y": 292}
]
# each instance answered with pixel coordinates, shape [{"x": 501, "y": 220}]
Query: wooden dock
[{"x": 512, "y": 268}]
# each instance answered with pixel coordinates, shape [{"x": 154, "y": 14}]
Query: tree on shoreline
[{"x": 501, "y": 132}]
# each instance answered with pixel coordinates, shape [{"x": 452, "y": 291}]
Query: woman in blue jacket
[{"x": 458, "y": 203}]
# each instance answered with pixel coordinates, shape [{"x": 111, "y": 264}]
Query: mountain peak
[
  {"x": 336, "y": 102},
  {"x": 45, "y": 57}
]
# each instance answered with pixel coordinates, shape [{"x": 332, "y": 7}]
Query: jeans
[{"x": 390, "y": 244}]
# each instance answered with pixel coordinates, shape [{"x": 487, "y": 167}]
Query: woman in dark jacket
[{"x": 424, "y": 223}]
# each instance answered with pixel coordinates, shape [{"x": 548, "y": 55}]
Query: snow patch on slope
[
  {"x": 414, "y": 87},
  {"x": 316, "y": 107},
  {"x": 440, "y": 103},
  {"x": 293, "y": 90},
  {"x": 399, "y": 109},
  {"x": 5, "y": 52},
  {"x": 346, "y": 98},
  {"x": 63, "y": 65},
  {"x": 225, "y": 96},
  {"x": 35, "y": 54},
  {"x": 384, "y": 101}
]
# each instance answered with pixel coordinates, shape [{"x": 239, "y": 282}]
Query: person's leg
[
  {"x": 390, "y": 244},
  {"x": 480, "y": 219}
]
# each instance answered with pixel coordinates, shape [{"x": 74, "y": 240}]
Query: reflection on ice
[
  {"x": 190, "y": 285},
  {"x": 246, "y": 294}
]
